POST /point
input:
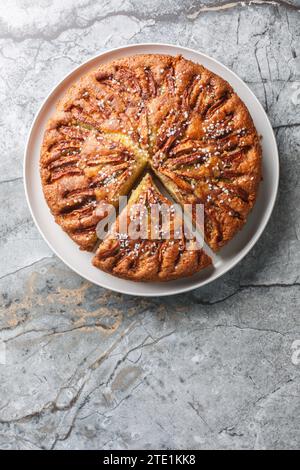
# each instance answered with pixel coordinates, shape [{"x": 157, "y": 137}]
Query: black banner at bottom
[{"x": 123, "y": 458}]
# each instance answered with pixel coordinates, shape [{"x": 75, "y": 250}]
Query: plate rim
[{"x": 239, "y": 256}]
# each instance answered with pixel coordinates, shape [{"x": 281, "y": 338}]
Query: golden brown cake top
[{"x": 176, "y": 117}]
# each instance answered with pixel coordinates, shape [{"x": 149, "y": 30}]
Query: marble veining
[{"x": 82, "y": 367}]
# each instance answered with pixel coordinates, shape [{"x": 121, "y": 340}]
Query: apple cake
[{"x": 156, "y": 113}]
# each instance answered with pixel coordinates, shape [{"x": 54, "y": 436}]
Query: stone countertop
[{"x": 84, "y": 368}]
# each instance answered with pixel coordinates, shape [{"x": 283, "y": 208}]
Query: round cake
[{"x": 151, "y": 113}]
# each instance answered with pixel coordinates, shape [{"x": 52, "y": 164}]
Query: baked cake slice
[
  {"x": 81, "y": 167},
  {"x": 161, "y": 253}
]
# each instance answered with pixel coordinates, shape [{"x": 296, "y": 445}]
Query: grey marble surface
[{"x": 85, "y": 368}]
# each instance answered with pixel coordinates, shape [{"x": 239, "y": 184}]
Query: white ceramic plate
[{"x": 80, "y": 261}]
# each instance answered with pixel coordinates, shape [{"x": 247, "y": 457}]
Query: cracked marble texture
[{"x": 85, "y": 368}]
